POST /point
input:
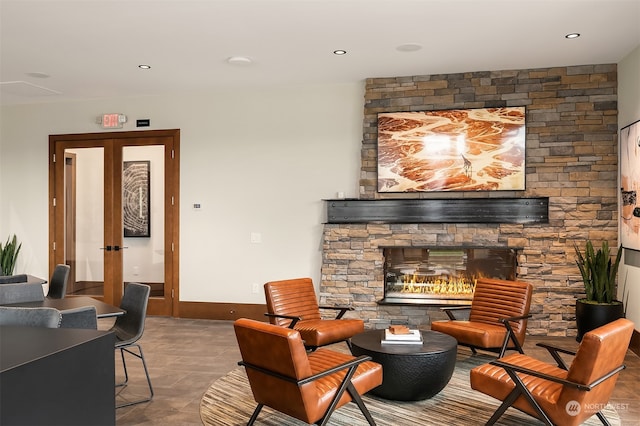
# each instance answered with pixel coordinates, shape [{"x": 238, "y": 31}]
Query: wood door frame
[{"x": 171, "y": 207}]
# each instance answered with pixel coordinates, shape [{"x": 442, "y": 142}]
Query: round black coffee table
[{"x": 410, "y": 372}]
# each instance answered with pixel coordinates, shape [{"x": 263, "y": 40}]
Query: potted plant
[
  {"x": 599, "y": 306},
  {"x": 9, "y": 255}
]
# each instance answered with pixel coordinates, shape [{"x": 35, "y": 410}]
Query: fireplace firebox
[{"x": 442, "y": 276}]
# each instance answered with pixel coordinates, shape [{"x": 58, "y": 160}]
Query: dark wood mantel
[{"x": 465, "y": 210}]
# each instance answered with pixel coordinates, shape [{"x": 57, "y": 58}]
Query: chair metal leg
[
  {"x": 527, "y": 395},
  {"x": 254, "y": 416},
  {"x": 355, "y": 396},
  {"x": 510, "y": 399},
  {"x": 346, "y": 381},
  {"x": 124, "y": 366},
  {"x": 603, "y": 419},
  {"x": 146, "y": 372}
]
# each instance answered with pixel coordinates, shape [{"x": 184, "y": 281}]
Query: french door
[{"x": 114, "y": 213}]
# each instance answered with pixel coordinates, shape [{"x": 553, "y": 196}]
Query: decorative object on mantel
[
  {"x": 430, "y": 210},
  {"x": 599, "y": 306},
  {"x": 8, "y": 255}
]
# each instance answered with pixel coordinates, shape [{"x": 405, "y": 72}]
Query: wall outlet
[
  {"x": 256, "y": 237},
  {"x": 255, "y": 288}
]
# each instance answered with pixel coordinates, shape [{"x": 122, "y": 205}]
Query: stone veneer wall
[{"x": 571, "y": 157}]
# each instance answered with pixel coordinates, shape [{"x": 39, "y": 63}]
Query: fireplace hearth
[{"x": 442, "y": 276}]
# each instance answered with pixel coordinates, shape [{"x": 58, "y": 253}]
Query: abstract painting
[
  {"x": 630, "y": 186},
  {"x": 136, "y": 198},
  {"x": 481, "y": 149}
]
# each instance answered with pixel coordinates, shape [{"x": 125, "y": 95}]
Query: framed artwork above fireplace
[{"x": 481, "y": 149}]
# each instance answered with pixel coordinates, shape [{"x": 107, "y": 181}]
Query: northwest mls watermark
[{"x": 573, "y": 408}]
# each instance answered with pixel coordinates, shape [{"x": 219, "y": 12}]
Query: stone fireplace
[{"x": 571, "y": 160}]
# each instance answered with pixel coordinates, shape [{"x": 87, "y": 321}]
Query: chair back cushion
[
  {"x": 21, "y": 293},
  {"x": 58, "y": 282},
  {"x": 30, "y": 317},
  {"x": 494, "y": 299},
  {"x": 280, "y": 350},
  {"x": 83, "y": 317},
  {"x": 295, "y": 297},
  {"x": 600, "y": 351}
]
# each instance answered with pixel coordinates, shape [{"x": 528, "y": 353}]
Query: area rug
[{"x": 229, "y": 402}]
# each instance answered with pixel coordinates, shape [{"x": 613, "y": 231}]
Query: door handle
[
  {"x": 107, "y": 248},
  {"x": 117, "y": 248}
]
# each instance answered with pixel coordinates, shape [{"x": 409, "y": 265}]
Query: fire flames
[{"x": 440, "y": 286}]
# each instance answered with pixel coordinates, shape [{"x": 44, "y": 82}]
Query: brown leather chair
[
  {"x": 306, "y": 385},
  {"x": 559, "y": 395},
  {"x": 293, "y": 303},
  {"x": 497, "y": 320}
]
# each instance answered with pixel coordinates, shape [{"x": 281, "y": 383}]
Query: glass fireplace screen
[{"x": 429, "y": 275}]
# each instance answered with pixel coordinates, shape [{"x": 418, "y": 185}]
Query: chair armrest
[
  {"x": 342, "y": 309},
  {"x": 512, "y": 368},
  {"x": 294, "y": 320},
  {"x": 450, "y": 311},
  {"x": 553, "y": 351},
  {"x": 345, "y": 365}
]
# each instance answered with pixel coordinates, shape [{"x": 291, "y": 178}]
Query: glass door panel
[{"x": 84, "y": 220}]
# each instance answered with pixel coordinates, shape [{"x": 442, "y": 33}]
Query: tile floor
[{"x": 185, "y": 356}]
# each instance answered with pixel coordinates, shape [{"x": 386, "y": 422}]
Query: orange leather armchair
[
  {"x": 497, "y": 320},
  {"x": 306, "y": 385},
  {"x": 293, "y": 303},
  {"x": 559, "y": 395}
]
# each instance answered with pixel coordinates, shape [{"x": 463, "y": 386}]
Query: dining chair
[
  {"x": 83, "y": 317},
  {"x": 293, "y": 303},
  {"x": 30, "y": 317},
  {"x": 129, "y": 328},
  {"x": 58, "y": 282}
]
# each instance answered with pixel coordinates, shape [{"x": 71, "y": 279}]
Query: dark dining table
[
  {"x": 56, "y": 376},
  {"x": 103, "y": 310}
]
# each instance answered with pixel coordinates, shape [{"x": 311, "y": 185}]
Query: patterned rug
[{"x": 229, "y": 402}]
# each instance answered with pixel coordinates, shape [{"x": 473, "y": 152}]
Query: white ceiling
[{"x": 91, "y": 49}]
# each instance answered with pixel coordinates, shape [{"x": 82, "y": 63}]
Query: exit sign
[{"x": 113, "y": 121}]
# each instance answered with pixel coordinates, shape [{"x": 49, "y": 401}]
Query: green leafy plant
[
  {"x": 8, "y": 255},
  {"x": 598, "y": 272}
]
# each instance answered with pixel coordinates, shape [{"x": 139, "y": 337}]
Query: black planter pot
[{"x": 590, "y": 316}]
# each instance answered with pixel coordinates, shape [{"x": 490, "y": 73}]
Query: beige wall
[{"x": 257, "y": 162}]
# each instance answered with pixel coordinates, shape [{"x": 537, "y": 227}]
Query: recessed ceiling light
[
  {"x": 144, "y": 67},
  {"x": 572, "y": 35},
  {"x": 409, "y": 47},
  {"x": 239, "y": 60},
  {"x": 339, "y": 52}
]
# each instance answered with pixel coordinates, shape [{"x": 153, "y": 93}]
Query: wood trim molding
[{"x": 222, "y": 311}]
